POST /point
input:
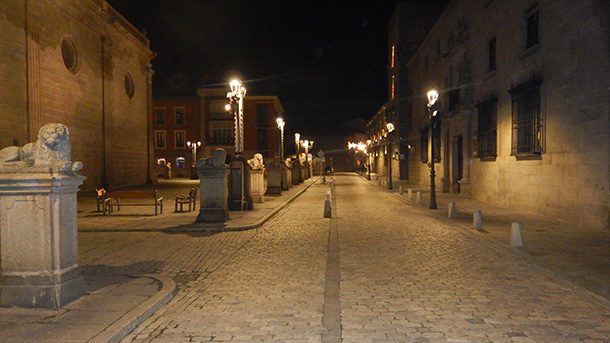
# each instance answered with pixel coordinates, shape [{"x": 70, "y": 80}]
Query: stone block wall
[
  {"x": 93, "y": 104},
  {"x": 570, "y": 180}
]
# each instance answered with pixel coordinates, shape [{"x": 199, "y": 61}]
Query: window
[
  {"x": 130, "y": 87},
  {"x": 69, "y": 56},
  {"x": 160, "y": 139},
  {"x": 221, "y": 132},
  {"x": 179, "y": 115},
  {"x": 262, "y": 128},
  {"x": 491, "y": 55},
  {"x": 531, "y": 38},
  {"x": 393, "y": 87},
  {"x": 160, "y": 115},
  {"x": 453, "y": 99},
  {"x": 423, "y": 143},
  {"x": 179, "y": 141},
  {"x": 527, "y": 133},
  {"x": 487, "y": 129}
]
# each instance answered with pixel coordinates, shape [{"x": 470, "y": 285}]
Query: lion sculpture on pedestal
[{"x": 52, "y": 149}]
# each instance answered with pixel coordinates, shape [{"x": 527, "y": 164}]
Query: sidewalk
[
  {"x": 117, "y": 302},
  {"x": 142, "y": 219},
  {"x": 580, "y": 255}
]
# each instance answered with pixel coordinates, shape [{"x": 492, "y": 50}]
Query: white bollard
[
  {"x": 410, "y": 193},
  {"x": 477, "y": 220},
  {"x": 400, "y": 190},
  {"x": 516, "y": 240},
  {"x": 327, "y": 208},
  {"x": 419, "y": 199},
  {"x": 451, "y": 210}
]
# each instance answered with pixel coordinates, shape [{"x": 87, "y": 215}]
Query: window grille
[
  {"x": 527, "y": 126},
  {"x": 487, "y": 129}
]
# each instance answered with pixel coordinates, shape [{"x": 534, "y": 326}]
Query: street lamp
[
  {"x": 193, "y": 146},
  {"x": 433, "y": 106},
  {"x": 297, "y": 137},
  {"x": 280, "y": 125},
  {"x": 390, "y": 128},
  {"x": 236, "y": 96}
]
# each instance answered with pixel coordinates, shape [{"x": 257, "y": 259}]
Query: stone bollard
[
  {"x": 400, "y": 190},
  {"x": 410, "y": 193},
  {"x": 451, "y": 210},
  {"x": 516, "y": 239},
  {"x": 213, "y": 188},
  {"x": 327, "y": 206},
  {"x": 419, "y": 198},
  {"x": 477, "y": 220}
]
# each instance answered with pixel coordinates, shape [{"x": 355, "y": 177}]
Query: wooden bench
[
  {"x": 190, "y": 199},
  {"x": 116, "y": 199}
]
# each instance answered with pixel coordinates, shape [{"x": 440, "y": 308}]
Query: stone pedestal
[
  {"x": 297, "y": 170},
  {"x": 257, "y": 185},
  {"x": 213, "y": 188},
  {"x": 286, "y": 175},
  {"x": 237, "y": 200},
  {"x": 39, "y": 242},
  {"x": 274, "y": 176}
]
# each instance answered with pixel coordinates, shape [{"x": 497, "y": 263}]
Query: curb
[
  {"x": 255, "y": 225},
  {"x": 127, "y": 323}
]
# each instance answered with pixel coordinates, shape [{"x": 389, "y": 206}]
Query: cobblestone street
[{"x": 404, "y": 277}]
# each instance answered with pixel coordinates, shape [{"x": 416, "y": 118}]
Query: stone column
[
  {"x": 286, "y": 174},
  {"x": 297, "y": 177},
  {"x": 274, "y": 176},
  {"x": 257, "y": 185},
  {"x": 39, "y": 242},
  {"x": 213, "y": 188}
]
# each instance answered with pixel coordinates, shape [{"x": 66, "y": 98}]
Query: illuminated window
[
  {"x": 393, "y": 87},
  {"x": 160, "y": 139},
  {"x": 393, "y": 58},
  {"x": 221, "y": 132}
]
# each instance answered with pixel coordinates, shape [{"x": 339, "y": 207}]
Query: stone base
[
  {"x": 213, "y": 215},
  {"x": 465, "y": 189},
  {"x": 273, "y": 190},
  {"x": 258, "y": 198},
  {"x": 41, "y": 292}
]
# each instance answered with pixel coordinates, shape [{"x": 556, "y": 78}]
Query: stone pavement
[
  {"x": 579, "y": 254},
  {"x": 133, "y": 265},
  {"x": 143, "y": 218},
  {"x": 403, "y": 277}
]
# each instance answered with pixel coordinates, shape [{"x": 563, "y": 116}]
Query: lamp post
[
  {"x": 236, "y": 96},
  {"x": 433, "y": 107},
  {"x": 193, "y": 146},
  {"x": 390, "y": 128},
  {"x": 368, "y": 167},
  {"x": 280, "y": 125}
]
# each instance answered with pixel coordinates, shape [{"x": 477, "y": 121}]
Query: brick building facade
[
  {"x": 77, "y": 62},
  {"x": 524, "y": 105},
  {"x": 205, "y": 119}
]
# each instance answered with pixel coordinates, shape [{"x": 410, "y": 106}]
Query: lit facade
[
  {"x": 524, "y": 105},
  {"x": 82, "y": 64}
]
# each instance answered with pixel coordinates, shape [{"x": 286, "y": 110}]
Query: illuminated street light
[
  {"x": 193, "y": 146},
  {"x": 433, "y": 106},
  {"x": 280, "y": 125},
  {"x": 390, "y": 129},
  {"x": 297, "y": 137},
  {"x": 236, "y": 97}
]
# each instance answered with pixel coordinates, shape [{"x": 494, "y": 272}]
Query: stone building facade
[
  {"x": 78, "y": 62},
  {"x": 524, "y": 105},
  {"x": 203, "y": 118}
]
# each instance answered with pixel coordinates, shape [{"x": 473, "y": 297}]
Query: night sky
[{"x": 325, "y": 59}]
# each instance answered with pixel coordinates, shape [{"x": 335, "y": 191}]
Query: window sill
[
  {"x": 488, "y": 158},
  {"x": 529, "y": 51},
  {"x": 528, "y": 157}
]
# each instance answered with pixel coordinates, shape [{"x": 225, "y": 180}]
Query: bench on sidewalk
[
  {"x": 190, "y": 199},
  {"x": 123, "y": 198}
]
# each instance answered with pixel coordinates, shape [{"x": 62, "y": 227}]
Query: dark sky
[{"x": 325, "y": 59}]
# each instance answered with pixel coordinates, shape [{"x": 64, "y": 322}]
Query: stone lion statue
[
  {"x": 52, "y": 149},
  {"x": 256, "y": 162}
]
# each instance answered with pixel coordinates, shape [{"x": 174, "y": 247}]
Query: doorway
[{"x": 457, "y": 163}]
